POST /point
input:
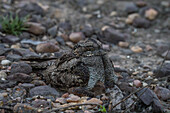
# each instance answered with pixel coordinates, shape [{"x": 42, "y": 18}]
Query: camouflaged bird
[{"x": 84, "y": 66}]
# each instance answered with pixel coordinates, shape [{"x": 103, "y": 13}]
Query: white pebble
[{"x": 5, "y": 62}]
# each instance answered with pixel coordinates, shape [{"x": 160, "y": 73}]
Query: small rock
[
  {"x": 136, "y": 49},
  {"x": 21, "y": 68},
  {"x": 26, "y": 53},
  {"x": 53, "y": 31},
  {"x": 43, "y": 91},
  {"x": 137, "y": 83},
  {"x": 147, "y": 96},
  {"x": 5, "y": 62},
  {"x": 148, "y": 48},
  {"x": 162, "y": 93},
  {"x": 123, "y": 44},
  {"x": 70, "y": 44},
  {"x": 131, "y": 17},
  {"x": 36, "y": 28},
  {"x": 88, "y": 31},
  {"x": 3, "y": 75},
  {"x": 61, "y": 100},
  {"x": 47, "y": 48},
  {"x": 151, "y": 14},
  {"x": 27, "y": 86},
  {"x": 60, "y": 40},
  {"x": 10, "y": 39},
  {"x": 95, "y": 101},
  {"x": 73, "y": 98},
  {"x": 131, "y": 8},
  {"x": 7, "y": 84},
  {"x": 31, "y": 42},
  {"x": 16, "y": 46},
  {"x": 141, "y": 23},
  {"x": 31, "y": 8},
  {"x": 38, "y": 103},
  {"x": 113, "y": 36},
  {"x": 20, "y": 77},
  {"x": 141, "y": 3},
  {"x": 106, "y": 46},
  {"x": 66, "y": 95},
  {"x": 13, "y": 57},
  {"x": 76, "y": 37},
  {"x": 66, "y": 26}
]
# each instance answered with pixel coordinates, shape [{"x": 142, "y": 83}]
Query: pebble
[
  {"x": 131, "y": 17},
  {"x": 10, "y": 39},
  {"x": 13, "y": 57},
  {"x": 141, "y": 23},
  {"x": 38, "y": 103},
  {"x": 131, "y": 8},
  {"x": 162, "y": 93},
  {"x": 70, "y": 44},
  {"x": 73, "y": 98},
  {"x": 88, "y": 30},
  {"x": 21, "y": 67},
  {"x": 36, "y": 28},
  {"x": 31, "y": 42},
  {"x": 66, "y": 26},
  {"x": 20, "y": 77},
  {"x": 27, "y": 86},
  {"x": 136, "y": 49},
  {"x": 52, "y": 31},
  {"x": 5, "y": 62},
  {"x": 43, "y": 91},
  {"x": 61, "y": 100},
  {"x": 31, "y": 8},
  {"x": 148, "y": 97},
  {"x": 112, "y": 36},
  {"x": 3, "y": 75},
  {"x": 26, "y": 53},
  {"x": 141, "y": 3},
  {"x": 123, "y": 44},
  {"x": 47, "y": 48},
  {"x": 137, "y": 83},
  {"x": 149, "y": 48},
  {"x": 66, "y": 95},
  {"x": 76, "y": 37},
  {"x": 151, "y": 14}
]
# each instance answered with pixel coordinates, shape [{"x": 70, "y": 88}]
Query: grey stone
[
  {"x": 53, "y": 31},
  {"x": 21, "y": 68},
  {"x": 44, "y": 91},
  {"x": 10, "y": 39},
  {"x": 113, "y": 36},
  {"x": 13, "y": 57},
  {"x": 20, "y": 77}
]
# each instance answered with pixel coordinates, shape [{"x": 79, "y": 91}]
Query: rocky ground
[{"x": 135, "y": 34}]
